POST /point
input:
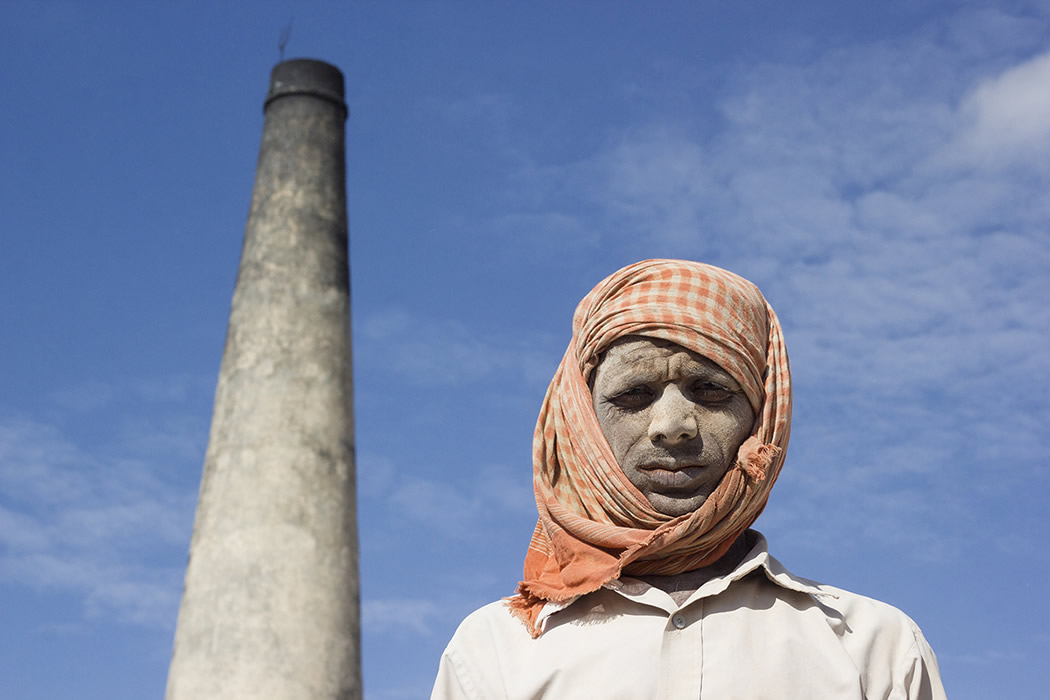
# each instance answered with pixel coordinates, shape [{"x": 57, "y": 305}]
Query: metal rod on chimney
[{"x": 271, "y": 604}]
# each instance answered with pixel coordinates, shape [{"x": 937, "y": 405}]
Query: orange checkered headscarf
[{"x": 594, "y": 525}]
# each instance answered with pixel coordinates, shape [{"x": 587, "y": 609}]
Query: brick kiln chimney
[{"x": 271, "y": 604}]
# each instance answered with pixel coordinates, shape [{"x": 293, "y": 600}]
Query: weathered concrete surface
[{"x": 271, "y": 605}]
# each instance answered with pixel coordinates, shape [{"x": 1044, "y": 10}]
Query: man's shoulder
[
  {"x": 860, "y": 621},
  {"x": 493, "y": 621},
  {"x": 858, "y": 601},
  {"x": 867, "y": 611},
  {"x": 863, "y": 611}
]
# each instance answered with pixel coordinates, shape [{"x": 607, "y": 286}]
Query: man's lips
[{"x": 675, "y": 476}]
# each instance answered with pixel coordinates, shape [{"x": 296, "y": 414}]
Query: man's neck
[{"x": 681, "y": 586}]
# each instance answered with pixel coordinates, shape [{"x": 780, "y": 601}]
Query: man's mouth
[{"x": 675, "y": 476}]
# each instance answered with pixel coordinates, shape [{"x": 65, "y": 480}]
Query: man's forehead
[
  {"x": 635, "y": 347},
  {"x": 634, "y": 352}
]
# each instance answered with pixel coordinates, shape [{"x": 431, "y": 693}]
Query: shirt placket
[{"x": 682, "y": 654}]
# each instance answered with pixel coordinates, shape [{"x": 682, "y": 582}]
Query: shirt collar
[{"x": 758, "y": 557}]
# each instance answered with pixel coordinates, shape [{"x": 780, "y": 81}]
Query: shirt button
[{"x": 678, "y": 620}]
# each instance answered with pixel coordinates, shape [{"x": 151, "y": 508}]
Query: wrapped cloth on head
[{"x": 594, "y": 525}]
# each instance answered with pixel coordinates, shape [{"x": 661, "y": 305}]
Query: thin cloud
[
  {"x": 1007, "y": 117},
  {"x": 387, "y": 614},
  {"x": 93, "y": 521},
  {"x": 84, "y": 397},
  {"x": 472, "y": 507},
  {"x": 986, "y": 657},
  {"x": 430, "y": 351}
]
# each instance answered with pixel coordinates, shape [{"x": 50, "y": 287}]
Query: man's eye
[
  {"x": 709, "y": 392},
  {"x": 638, "y": 397}
]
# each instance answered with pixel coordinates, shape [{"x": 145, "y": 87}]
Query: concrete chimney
[{"x": 270, "y": 607}]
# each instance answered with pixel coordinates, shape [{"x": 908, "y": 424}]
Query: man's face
[{"x": 673, "y": 419}]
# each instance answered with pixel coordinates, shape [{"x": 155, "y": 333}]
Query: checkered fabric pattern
[{"x": 593, "y": 523}]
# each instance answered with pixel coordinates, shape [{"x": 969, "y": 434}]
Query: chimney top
[{"x": 306, "y": 76}]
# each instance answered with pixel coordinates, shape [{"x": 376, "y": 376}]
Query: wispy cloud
[
  {"x": 432, "y": 351},
  {"x": 463, "y": 505},
  {"x": 986, "y": 657},
  {"x": 103, "y": 521},
  {"x": 1007, "y": 117},
  {"x": 85, "y": 396},
  {"x": 415, "y": 614}
]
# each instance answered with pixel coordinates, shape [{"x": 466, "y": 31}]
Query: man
[{"x": 659, "y": 440}]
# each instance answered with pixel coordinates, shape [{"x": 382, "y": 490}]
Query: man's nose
[{"x": 672, "y": 419}]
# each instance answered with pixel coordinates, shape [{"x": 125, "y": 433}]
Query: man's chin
[{"x": 674, "y": 504}]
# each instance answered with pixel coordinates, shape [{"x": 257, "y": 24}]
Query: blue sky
[{"x": 880, "y": 170}]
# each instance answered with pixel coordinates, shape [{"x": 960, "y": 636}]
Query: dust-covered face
[{"x": 673, "y": 419}]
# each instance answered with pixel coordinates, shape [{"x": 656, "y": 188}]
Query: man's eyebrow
[
  {"x": 623, "y": 377},
  {"x": 708, "y": 370},
  {"x": 629, "y": 376},
  {"x": 713, "y": 372}
]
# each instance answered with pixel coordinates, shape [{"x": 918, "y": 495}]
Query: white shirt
[{"x": 757, "y": 632}]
